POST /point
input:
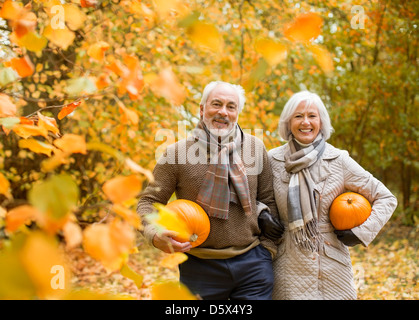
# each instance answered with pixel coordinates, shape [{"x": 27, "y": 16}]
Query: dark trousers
[{"x": 248, "y": 276}]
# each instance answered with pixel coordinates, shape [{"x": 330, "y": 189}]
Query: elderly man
[{"x": 228, "y": 173}]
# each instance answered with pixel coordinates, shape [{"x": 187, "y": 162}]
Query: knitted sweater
[{"x": 181, "y": 170}]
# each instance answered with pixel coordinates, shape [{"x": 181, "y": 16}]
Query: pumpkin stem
[
  {"x": 193, "y": 237},
  {"x": 349, "y": 200}
]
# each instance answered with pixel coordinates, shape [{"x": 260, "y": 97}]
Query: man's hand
[
  {"x": 270, "y": 226},
  {"x": 165, "y": 242}
]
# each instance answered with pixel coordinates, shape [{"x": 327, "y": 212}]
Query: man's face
[{"x": 221, "y": 111}]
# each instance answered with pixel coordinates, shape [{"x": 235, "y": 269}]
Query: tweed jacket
[
  {"x": 327, "y": 274},
  {"x": 181, "y": 170}
]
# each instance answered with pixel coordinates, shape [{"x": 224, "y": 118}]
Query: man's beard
[{"x": 219, "y": 132}]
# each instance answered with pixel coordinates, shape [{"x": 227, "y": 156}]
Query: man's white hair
[
  {"x": 212, "y": 85},
  {"x": 292, "y": 104}
]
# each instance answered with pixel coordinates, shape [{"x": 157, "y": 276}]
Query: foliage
[{"x": 91, "y": 90}]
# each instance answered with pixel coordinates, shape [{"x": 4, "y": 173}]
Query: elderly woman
[{"x": 313, "y": 260}]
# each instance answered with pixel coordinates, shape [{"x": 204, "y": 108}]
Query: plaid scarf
[
  {"x": 302, "y": 211},
  {"x": 225, "y": 180}
]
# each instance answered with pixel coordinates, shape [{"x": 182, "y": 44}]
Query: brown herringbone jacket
[{"x": 181, "y": 170}]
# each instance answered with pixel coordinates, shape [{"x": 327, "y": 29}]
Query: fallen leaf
[
  {"x": 305, "y": 28},
  {"x": 19, "y": 216},
  {"x": 71, "y": 143},
  {"x": 36, "y": 146},
  {"x": 7, "y": 107},
  {"x": 171, "y": 290},
  {"x": 122, "y": 188},
  {"x": 67, "y": 109},
  {"x": 272, "y": 51},
  {"x": 323, "y": 57},
  {"x": 109, "y": 243},
  {"x": 129, "y": 273},
  {"x": 172, "y": 260},
  {"x": 97, "y": 50},
  {"x": 23, "y": 66},
  {"x": 205, "y": 35},
  {"x": 128, "y": 215}
]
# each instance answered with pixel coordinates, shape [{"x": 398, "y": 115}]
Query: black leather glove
[
  {"x": 270, "y": 226},
  {"x": 347, "y": 237}
]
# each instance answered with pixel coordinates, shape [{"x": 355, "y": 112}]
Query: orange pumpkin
[
  {"x": 196, "y": 220},
  {"x": 349, "y": 210}
]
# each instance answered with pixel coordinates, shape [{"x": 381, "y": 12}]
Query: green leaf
[
  {"x": 79, "y": 86},
  {"x": 55, "y": 196},
  {"x": 7, "y": 75}
]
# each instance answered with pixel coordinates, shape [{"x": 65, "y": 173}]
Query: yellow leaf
[
  {"x": 205, "y": 35},
  {"x": 169, "y": 220},
  {"x": 74, "y": 17},
  {"x": 305, "y": 28},
  {"x": 272, "y": 51},
  {"x": 127, "y": 272},
  {"x": 33, "y": 42},
  {"x": 97, "y": 50},
  {"x": 36, "y": 146},
  {"x": 121, "y": 188},
  {"x": 62, "y": 38},
  {"x": 27, "y": 130},
  {"x": 323, "y": 57},
  {"x": 4, "y": 186},
  {"x": 128, "y": 215},
  {"x": 171, "y": 290},
  {"x": 72, "y": 234},
  {"x": 172, "y": 260},
  {"x": 72, "y": 143},
  {"x": 18, "y": 216},
  {"x": 48, "y": 123},
  {"x": 42, "y": 260},
  {"x": 57, "y": 159},
  {"x": 109, "y": 243}
]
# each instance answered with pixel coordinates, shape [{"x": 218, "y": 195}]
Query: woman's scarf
[
  {"x": 302, "y": 210},
  {"x": 225, "y": 180}
]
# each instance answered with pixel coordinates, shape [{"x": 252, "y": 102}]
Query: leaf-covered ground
[{"x": 387, "y": 269}]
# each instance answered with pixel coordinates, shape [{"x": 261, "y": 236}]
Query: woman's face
[{"x": 305, "y": 123}]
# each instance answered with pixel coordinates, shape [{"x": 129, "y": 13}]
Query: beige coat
[{"x": 328, "y": 274}]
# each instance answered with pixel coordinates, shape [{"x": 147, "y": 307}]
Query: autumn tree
[{"x": 91, "y": 90}]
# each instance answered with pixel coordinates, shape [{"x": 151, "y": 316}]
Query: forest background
[{"x": 91, "y": 91}]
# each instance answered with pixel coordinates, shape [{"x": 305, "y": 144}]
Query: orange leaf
[
  {"x": 4, "y": 186},
  {"x": 102, "y": 81},
  {"x": 109, "y": 243},
  {"x": 168, "y": 86},
  {"x": 11, "y": 10},
  {"x": 305, "y": 28},
  {"x": 48, "y": 123},
  {"x": 27, "y": 130},
  {"x": 25, "y": 23},
  {"x": 172, "y": 260},
  {"x": 128, "y": 215},
  {"x": 122, "y": 188},
  {"x": 19, "y": 216},
  {"x": 66, "y": 110},
  {"x": 88, "y": 3},
  {"x": 171, "y": 290},
  {"x": 272, "y": 51},
  {"x": 7, "y": 108},
  {"x": 72, "y": 143},
  {"x": 36, "y": 146},
  {"x": 23, "y": 66},
  {"x": 46, "y": 266},
  {"x": 323, "y": 58},
  {"x": 97, "y": 50},
  {"x": 72, "y": 234}
]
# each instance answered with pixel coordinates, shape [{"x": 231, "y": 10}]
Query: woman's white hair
[
  {"x": 212, "y": 85},
  {"x": 292, "y": 104}
]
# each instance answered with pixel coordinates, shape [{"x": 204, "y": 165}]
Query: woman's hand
[
  {"x": 347, "y": 237},
  {"x": 165, "y": 242}
]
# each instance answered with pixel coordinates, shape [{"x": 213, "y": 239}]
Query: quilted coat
[{"x": 328, "y": 273}]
